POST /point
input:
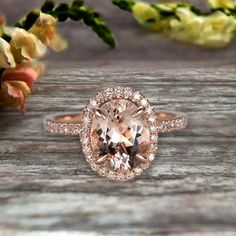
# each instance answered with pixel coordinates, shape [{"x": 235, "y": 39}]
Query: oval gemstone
[{"x": 120, "y": 135}]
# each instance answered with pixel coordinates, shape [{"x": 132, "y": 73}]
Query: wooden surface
[
  {"x": 47, "y": 188},
  {"x": 46, "y": 185}
]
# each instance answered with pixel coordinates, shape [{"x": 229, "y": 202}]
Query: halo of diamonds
[{"x": 95, "y": 102}]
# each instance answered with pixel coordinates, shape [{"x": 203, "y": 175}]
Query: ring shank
[
  {"x": 63, "y": 123},
  {"x": 69, "y": 118},
  {"x": 170, "y": 121},
  {"x": 165, "y": 115},
  {"x": 71, "y": 123}
]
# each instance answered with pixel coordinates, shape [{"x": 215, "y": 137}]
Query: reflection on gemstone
[{"x": 120, "y": 135}]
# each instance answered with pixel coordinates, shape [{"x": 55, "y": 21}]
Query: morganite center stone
[{"x": 120, "y": 135}]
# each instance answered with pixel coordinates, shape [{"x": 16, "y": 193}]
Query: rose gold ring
[{"x": 118, "y": 131}]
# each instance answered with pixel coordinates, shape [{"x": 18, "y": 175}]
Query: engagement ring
[{"x": 118, "y": 131}]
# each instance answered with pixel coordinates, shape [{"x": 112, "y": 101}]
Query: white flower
[
  {"x": 218, "y": 30},
  {"x": 215, "y": 30},
  {"x": 143, "y": 12},
  {"x": 45, "y": 29},
  {"x": 25, "y": 45},
  {"x": 222, "y": 3},
  {"x": 6, "y": 57}
]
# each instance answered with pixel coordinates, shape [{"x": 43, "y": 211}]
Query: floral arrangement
[
  {"x": 185, "y": 22},
  {"x": 28, "y": 40}
]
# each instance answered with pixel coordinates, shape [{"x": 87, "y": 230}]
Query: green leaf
[
  {"x": 30, "y": 19},
  {"x": 124, "y": 4},
  {"x": 62, "y": 12},
  {"x": 47, "y": 6},
  {"x": 62, "y": 16},
  {"x": 75, "y": 14},
  {"x": 62, "y": 7},
  {"x": 98, "y": 25},
  {"x": 6, "y": 37},
  {"x": 77, "y": 3},
  {"x": 19, "y": 25},
  {"x": 75, "y": 11},
  {"x": 1, "y": 71},
  {"x": 105, "y": 34},
  {"x": 150, "y": 21}
]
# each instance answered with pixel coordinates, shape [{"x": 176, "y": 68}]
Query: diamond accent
[
  {"x": 144, "y": 102},
  {"x": 119, "y": 134},
  {"x": 137, "y": 96},
  {"x": 118, "y": 131}
]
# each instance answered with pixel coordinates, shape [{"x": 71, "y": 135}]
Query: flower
[
  {"x": 187, "y": 27},
  {"x": 144, "y": 13},
  {"x": 26, "y": 72},
  {"x": 215, "y": 30},
  {"x": 222, "y": 3},
  {"x": 6, "y": 57},
  {"x": 25, "y": 45},
  {"x": 35, "y": 65},
  {"x": 17, "y": 83},
  {"x": 218, "y": 30},
  {"x": 45, "y": 29},
  {"x": 13, "y": 94},
  {"x": 2, "y": 22}
]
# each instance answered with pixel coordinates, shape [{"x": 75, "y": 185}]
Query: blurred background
[{"x": 134, "y": 42}]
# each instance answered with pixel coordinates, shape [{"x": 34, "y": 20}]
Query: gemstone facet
[
  {"x": 120, "y": 134},
  {"x": 117, "y": 136}
]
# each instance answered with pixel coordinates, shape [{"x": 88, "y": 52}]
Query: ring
[{"x": 118, "y": 131}]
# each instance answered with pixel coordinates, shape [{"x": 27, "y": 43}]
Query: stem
[
  {"x": 75, "y": 11},
  {"x": 125, "y": 5},
  {"x": 78, "y": 11}
]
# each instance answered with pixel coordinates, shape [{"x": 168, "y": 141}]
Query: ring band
[
  {"x": 71, "y": 123},
  {"x": 118, "y": 131}
]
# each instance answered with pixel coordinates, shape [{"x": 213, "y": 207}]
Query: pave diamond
[
  {"x": 118, "y": 131},
  {"x": 137, "y": 95},
  {"x": 119, "y": 138}
]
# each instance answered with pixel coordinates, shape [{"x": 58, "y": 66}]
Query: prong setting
[{"x": 96, "y": 162}]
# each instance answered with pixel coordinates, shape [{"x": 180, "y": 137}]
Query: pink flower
[
  {"x": 13, "y": 94},
  {"x": 20, "y": 73},
  {"x": 16, "y": 84}
]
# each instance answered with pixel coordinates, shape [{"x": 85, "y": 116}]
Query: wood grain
[{"x": 47, "y": 188}]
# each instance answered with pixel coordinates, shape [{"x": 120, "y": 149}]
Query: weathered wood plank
[
  {"x": 46, "y": 184},
  {"x": 126, "y": 215}
]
